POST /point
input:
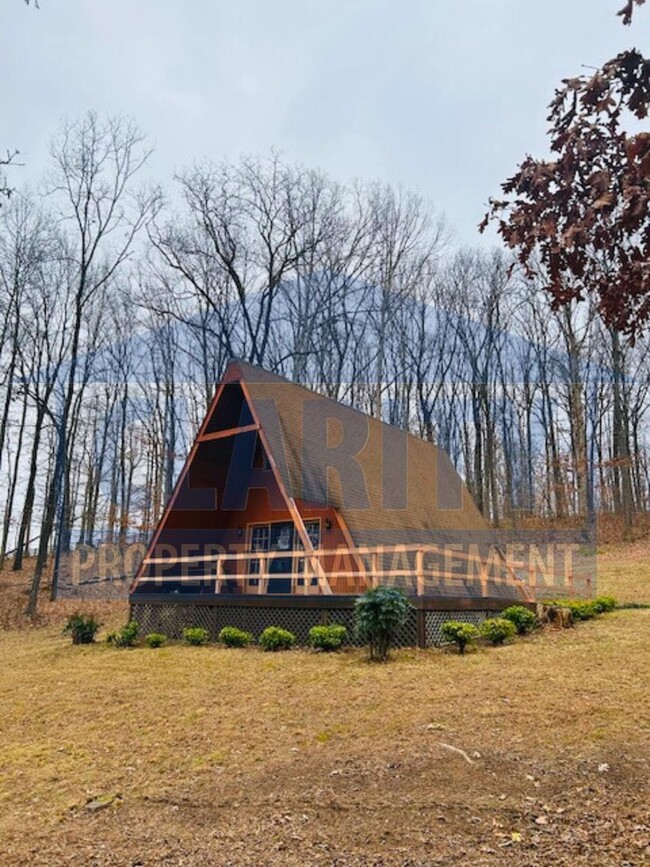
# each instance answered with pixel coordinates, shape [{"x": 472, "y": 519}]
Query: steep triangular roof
[{"x": 405, "y": 486}]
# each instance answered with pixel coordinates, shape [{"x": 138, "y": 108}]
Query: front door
[{"x": 281, "y": 539}]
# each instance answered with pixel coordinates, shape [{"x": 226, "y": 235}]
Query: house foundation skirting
[{"x": 423, "y": 628}]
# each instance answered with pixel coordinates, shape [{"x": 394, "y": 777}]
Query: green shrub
[
  {"x": 155, "y": 639},
  {"x": 231, "y": 636},
  {"x": 124, "y": 637},
  {"x": 275, "y": 638},
  {"x": 580, "y": 608},
  {"x": 82, "y": 628},
  {"x": 327, "y": 637},
  {"x": 380, "y": 614},
  {"x": 603, "y": 604},
  {"x": 459, "y": 633},
  {"x": 523, "y": 618},
  {"x": 496, "y": 630},
  {"x": 583, "y": 610},
  {"x": 196, "y": 635}
]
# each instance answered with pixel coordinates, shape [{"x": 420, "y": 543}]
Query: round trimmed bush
[
  {"x": 327, "y": 638},
  {"x": 461, "y": 634},
  {"x": 155, "y": 639},
  {"x": 196, "y": 635},
  {"x": 275, "y": 638},
  {"x": 231, "y": 636},
  {"x": 522, "y": 617},
  {"x": 497, "y": 630}
]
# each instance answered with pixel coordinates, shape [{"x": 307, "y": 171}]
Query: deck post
[
  {"x": 531, "y": 576},
  {"x": 419, "y": 571},
  {"x": 421, "y": 627},
  {"x": 261, "y": 584}
]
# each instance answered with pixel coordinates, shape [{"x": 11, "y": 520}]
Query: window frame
[{"x": 251, "y": 526}]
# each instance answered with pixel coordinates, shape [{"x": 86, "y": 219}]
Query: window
[
  {"x": 313, "y": 531},
  {"x": 281, "y": 536},
  {"x": 260, "y": 458},
  {"x": 260, "y": 535}
]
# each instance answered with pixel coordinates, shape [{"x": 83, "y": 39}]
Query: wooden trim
[
  {"x": 419, "y": 572},
  {"x": 399, "y": 573},
  {"x": 228, "y": 432},
  {"x": 348, "y": 538},
  {"x": 525, "y": 586},
  {"x": 335, "y": 601},
  {"x": 264, "y": 575},
  {"x": 331, "y": 552},
  {"x": 251, "y": 524}
]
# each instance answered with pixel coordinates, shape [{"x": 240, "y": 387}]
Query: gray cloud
[{"x": 439, "y": 95}]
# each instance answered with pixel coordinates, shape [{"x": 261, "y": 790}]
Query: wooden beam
[
  {"x": 348, "y": 538},
  {"x": 229, "y": 432},
  {"x": 323, "y": 583},
  {"x": 419, "y": 572},
  {"x": 262, "y": 583},
  {"x": 352, "y": 551}
]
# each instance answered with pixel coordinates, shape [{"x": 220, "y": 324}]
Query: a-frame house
[{"x": 290, "y": 501}]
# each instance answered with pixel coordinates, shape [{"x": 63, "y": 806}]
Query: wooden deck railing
[{"x": 325, "y": 565}]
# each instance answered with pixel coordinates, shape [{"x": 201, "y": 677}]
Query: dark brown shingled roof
[{"x": 399, "y": 488}]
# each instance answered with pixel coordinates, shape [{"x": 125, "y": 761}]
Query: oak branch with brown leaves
[
  {"x": 627, "y": 11},
  {"x": 582, "y": 220}
]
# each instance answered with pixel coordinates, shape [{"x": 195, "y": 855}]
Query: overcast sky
[{"x": 442, "y": 96}]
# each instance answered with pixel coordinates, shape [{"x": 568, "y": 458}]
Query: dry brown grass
[
  {"x": 238, "y": 757},
  {"x": 14, "y": 595},
  {"x": 624, "y": 571}
]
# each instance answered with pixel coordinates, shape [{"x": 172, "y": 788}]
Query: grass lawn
[
  {"x": 624, "y": 571},
  {"x": 206, "y": 756}
]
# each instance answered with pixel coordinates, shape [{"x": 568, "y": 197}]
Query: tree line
[{"x": 120, "y": 307}]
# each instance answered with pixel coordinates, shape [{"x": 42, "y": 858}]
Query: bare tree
[{"x": 95, "y": 162}]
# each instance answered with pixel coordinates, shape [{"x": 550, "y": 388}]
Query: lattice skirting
[
  {"x": 171, "y": 619},
  {"x": 433, "y": 621}
]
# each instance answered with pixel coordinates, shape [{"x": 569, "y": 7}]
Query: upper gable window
[{"x": 231, "y": 411}]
